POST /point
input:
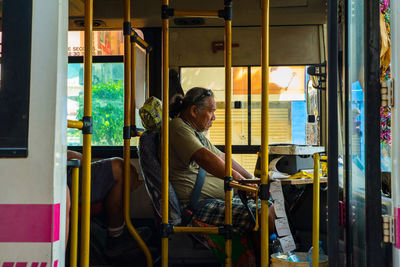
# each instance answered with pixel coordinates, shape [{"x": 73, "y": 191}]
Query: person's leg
[
  {"x": 119, "y": 240},
  {"x": 114, "y": 199}
]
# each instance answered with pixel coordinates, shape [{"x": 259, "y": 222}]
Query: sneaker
[{"x": 117, "y": 246}]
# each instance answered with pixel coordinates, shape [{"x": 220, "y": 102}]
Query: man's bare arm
[
  {"x": 236, "y": 166},
  {"x": 213, "y": 164}
]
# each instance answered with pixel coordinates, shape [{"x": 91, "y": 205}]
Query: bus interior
[{"x": 326, "y": 78}]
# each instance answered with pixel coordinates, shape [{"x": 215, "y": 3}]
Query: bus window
[
  {"x": 107, "y": 103},
  {"x": 107, "y": 86},
  {"x": 287, "y": 102}
]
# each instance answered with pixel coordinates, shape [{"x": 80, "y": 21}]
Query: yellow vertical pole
[
  {"x": 87, "y": 136},
  {"x": 74, "y": 217},
  {"x": 133, "y": 84},
  {"x": 264, "y": 129},
  {"x": 130, "y": 115},
  {"x": 228, "y": 126},
  {"x": 316, "y": 199},
  {"x": 147, "y": 73},
  {"x": 127, "y": 106},
  {"x": 165, "y": 131}
]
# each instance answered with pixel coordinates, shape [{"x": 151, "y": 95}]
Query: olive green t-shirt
[{"x": 183, "y": 172}]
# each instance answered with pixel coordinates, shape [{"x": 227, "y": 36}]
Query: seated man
[
  {"x": 192, "y": 115},
  {"x": 107, "y": 179}
]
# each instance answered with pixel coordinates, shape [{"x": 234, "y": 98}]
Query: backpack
[{"x": 151, "y": 114}]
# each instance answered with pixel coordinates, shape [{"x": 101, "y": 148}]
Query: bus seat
[{"x": 150, "y": 165}]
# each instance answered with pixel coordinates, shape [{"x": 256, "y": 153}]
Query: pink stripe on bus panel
[
  {"x": 8, "y": 264},
  {"x": 43, "y": 264},
  {"x": 29, "y": 223},
  {"x": 21, "y": 264},
  {"x": 56, "y": 222},
  {"x": 55, "y": 263},
  {"x": 397, "y": 227},
  {"x": 35, "y": 264}
]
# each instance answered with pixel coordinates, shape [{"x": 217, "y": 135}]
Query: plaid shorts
[{"x": 213, "y": 212}]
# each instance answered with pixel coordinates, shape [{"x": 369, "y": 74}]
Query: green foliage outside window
[{"x": 107, "y": 112}]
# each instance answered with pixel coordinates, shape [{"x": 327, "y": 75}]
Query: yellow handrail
[
  {"x": 133, "y": 87},
  {"x": 140, "y": 41},
  {"x": 316, "y": 198},
  {"x": 264, "y": 129},
  {"x": 203, "y": 230},
  {"x": 165, "y": 133},
  {"x": 87, "y": 137},
  {"x": 129, "y": 115},
  {"x": 74, "y": 217},
  {"x": 228, "y": 130},
  {"x": 196, "y": 13},
  {"x": 148, "y": 74},
  {"x": 75, "y": 124},
  {"x": 243, "y": 187}
]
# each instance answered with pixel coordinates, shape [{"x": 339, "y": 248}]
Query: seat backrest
[{"x": 150, "y": 164}]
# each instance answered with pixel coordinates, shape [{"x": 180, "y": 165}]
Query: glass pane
[
  {"x": 287, "y": 105},
  {"x": 247, "y": 161},
  {"x": 355, "y": 125},
  {"x": 105, "y": 43},
  {"x": 16, "y": 18},
  {"x": 107, "y": 103},
  {"x": 214, "y": 78}
]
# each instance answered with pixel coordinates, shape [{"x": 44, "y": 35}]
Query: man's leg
[
  {"x": 119, "y": 240},
  {"x": 114, "y": 199}
]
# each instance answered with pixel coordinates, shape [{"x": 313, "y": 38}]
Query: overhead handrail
[
  {"x": 264, "y": 190},
  {"x": 129, "y": 109}
]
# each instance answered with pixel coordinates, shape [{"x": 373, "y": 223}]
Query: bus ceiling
[{"x": 109, "y": 13}]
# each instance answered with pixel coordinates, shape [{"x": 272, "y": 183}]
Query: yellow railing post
[
  {"x": 165, "y": 130},
  {"x": 129, "y": 115},
  {"x": 133, "y": 86},
  {"x": 87, "y": 136},
  {"x": 228, "y": 129},
  {"x": 264, "y": 130},
  {"x": 147, "y": 74},
  {"x": 74, "y": 214},
  {"x": 127, "y": 107},
  {"x": 316, "y": 199}
]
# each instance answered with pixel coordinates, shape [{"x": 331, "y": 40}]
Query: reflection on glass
[
  {"x": 247, "y": 161},
  {"x": 356, "y": 129},
  {"x": 105, "y": 43},
  {"x": 107, "y": 103},
  {"x": 287, "y": 106},
  {"x": 214, "y": 79}
]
